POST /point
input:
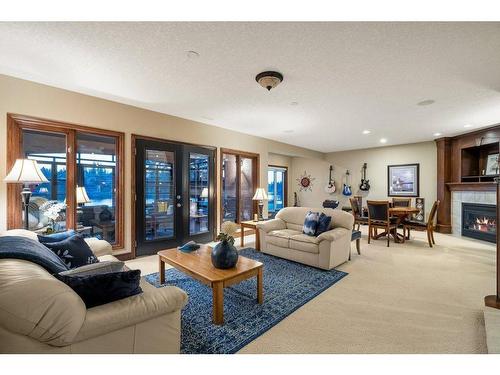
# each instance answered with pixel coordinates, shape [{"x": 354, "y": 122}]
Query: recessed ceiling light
[
  {"x": 467, "y": 126},
  {"x": 383, "y": 140},
  {"x": 294, "y": 103},
  {"x": 288, "y": 131},
  {"x": 426, "y": 102},
  {"x": 366, "y": 131},
  {"x": 192, "y": 54},
  {"x": 436, "y": 134}
]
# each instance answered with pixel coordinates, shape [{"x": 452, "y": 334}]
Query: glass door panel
[
  {"x": 159, "y": 196},
  {"x": 198, "y": 193},
  {"x": 229, "y": 188},
  {"x": 247, "y": 189},
  {"x": 276, "y": 190}
]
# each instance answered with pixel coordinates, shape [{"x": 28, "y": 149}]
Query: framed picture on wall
[
  {"x": 492, "y": 164},
  {"x": 403, "y": 180}
]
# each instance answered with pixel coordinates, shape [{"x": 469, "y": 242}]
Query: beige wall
[
  {"x": 378, "y": 159},
  {"x": 28, "y": 98}
]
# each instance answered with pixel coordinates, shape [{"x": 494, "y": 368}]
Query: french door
[{"x": 175, "y": 195}]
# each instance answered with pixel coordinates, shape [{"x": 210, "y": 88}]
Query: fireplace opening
[{"x": 479, "y": 221}]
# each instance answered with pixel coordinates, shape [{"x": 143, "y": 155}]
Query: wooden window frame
[
  {"x": 285, "y": 184},
  {"x": 255, "y": 179},
  {"x": 17, "y": 123}
]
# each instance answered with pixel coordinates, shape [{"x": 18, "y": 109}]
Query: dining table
[{"x": 401, "y": 213}]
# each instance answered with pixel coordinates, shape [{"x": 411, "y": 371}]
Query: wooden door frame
[
  {"x": 133, "y": 195},
  {"x": 255, "y": 178},
  {"x": 15, "y": 125}
]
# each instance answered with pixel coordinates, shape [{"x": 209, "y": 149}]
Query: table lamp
[
  {"x": 81, "y": 195},
  {"x": 261, "y": 196},
  {"x": 25, "y": 171}
]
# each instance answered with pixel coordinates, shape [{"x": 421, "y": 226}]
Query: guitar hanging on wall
[
  {"x": 365, "y": 184},
  {"x": 347, "y": 191},
  {"x": 330, "y": 187}
]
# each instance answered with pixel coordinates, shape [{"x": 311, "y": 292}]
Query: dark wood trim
[
  {"x": 16, "y": 123},
  {"x": 443, "y": 175},
  {"x": 471, "y": 186},
  {"x": 286, "y": 181},
  {"x": 255, "y": 177}
]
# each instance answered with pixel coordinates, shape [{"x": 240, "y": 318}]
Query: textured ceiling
[{"x": 346, "y": 77}]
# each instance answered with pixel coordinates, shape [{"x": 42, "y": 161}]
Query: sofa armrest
[
  {"x": 99, "y": 247},
  {"x": 334, "y": 234},
  {"x": 270, "y": 225},
  {"x": 126, "y": 312}
]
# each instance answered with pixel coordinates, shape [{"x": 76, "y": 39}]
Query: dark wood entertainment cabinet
[{"x": 461, "y": 163}]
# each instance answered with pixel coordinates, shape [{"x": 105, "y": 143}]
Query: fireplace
[{"x": 479, "y": 221}]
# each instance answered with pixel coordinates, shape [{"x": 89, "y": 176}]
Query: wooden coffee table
[{"x": 198, "y": 265}]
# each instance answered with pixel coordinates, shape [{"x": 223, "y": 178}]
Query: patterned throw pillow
[
  {"x": 311, "y": 223},
  {"x": 323, "y": 224},
  {"x": 73, "y": 251}
]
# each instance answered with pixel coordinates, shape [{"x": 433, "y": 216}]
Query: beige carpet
[{"x": 407, "y": 298}]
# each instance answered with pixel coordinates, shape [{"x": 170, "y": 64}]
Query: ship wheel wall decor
[{"x": 305, "y": 182}]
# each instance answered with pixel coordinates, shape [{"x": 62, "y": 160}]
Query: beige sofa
[
  {"x": 283, "y": 237},
  {"x": 40, "y": 314}
]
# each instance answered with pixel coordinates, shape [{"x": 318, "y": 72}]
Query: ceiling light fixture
[
  {"x": 366, "y": 132},
  {"x": 426, "y": 102},
  {"x": 383, "y": 140},
  {"x": 294, "y": 103},
  {"x": 436, "y": 134},
  {"x": 269, "y": 80}
]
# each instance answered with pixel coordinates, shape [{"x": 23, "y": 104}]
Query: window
[
  {"x": 83, "y": 166},
  {"x": 276, "y": 189},
  {"x": 239, "y": 176}
]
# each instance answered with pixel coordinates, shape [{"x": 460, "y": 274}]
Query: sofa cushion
[
  {"x": 20, "y": 233},
  {"x": 31, "y": 250},
  {"x": 95, "y": 268},
  {"x": 305, "y": 238},
  {"x": 311, "y": 222},
  {"x": 281, "y": 237},
  {"x": 73, "y": 251},
  {"x": 308, "y": 247}
]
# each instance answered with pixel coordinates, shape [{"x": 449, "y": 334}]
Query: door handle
[{"x": 179, "y": 205}]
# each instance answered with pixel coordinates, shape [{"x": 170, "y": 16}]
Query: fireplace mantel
[{"x": 471, "y": 186}]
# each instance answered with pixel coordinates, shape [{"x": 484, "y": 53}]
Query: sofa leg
[{"x": 358, "y": 246}]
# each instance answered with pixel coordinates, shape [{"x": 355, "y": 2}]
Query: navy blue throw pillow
[
  {"x": 323, "y": 224},
  {"x": 103, "y": 288},
  {"x": 33, "y": 251},
  {"x": 56, "y": 237},
  {"x": 73, "y": 251},
  {"x": 311, "y": 223}
]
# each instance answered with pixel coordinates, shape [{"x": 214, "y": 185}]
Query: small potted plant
[
  {"x": 52, "y": 209},
  {"x": 224, "y": 254}
]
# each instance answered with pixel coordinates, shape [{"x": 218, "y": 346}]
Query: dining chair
[
  {"x": 357, "y": 212},
  {"x": 379, "y": 217},
  {"x": 423, "y": 226},
  {"x": 401, "y": 202}
]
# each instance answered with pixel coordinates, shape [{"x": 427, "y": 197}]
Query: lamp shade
[
  {"x": 260, "y": 195},
  {"x": 204, "y": 193},
  {"x": 81, "y": 195},
  {"x": 25, "y": 171}
]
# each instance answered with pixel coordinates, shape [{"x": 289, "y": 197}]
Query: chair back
[
  {"x": 433, "y": 213},
  {"x": 378, "y": 210},
  {"x": 356, "y": 209},
  {"x": 401, "y": 202}
]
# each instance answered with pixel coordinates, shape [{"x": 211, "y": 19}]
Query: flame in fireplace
[{"x": 484, "y": 224}]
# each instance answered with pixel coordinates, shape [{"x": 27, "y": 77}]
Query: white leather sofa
[
  {"x": 283, "y": 237},
  {"x": 40, "y": 314}
]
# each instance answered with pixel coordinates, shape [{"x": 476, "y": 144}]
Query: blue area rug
[{"x": 287, "y": 286}]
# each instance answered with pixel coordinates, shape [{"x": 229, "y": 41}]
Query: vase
[{"x": 224, "y": 255}]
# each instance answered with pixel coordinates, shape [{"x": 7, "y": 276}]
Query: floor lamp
[
  {"x": 494, "y": 300},
  {"x": 25, "y": 171}
]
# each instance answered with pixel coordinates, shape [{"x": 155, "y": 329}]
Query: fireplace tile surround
[{"x": 459, "y": 197}]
